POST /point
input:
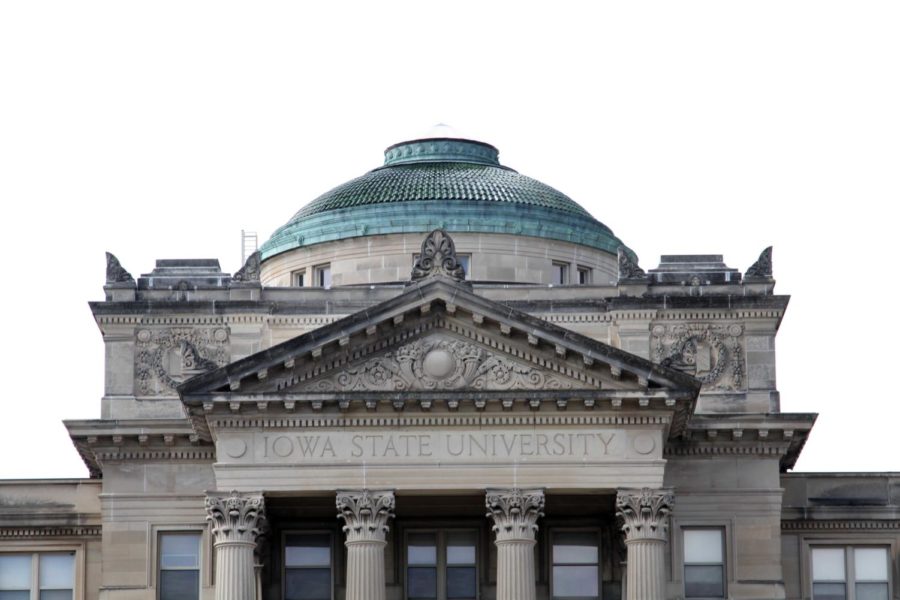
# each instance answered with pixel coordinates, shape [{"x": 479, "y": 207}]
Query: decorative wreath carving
[
  {"x": 680, "y": 348},
  {"x": 166, "y": 358}
]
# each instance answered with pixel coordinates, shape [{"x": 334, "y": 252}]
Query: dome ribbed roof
[{"x": 455, "y": 184}]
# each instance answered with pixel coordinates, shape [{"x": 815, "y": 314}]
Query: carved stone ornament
[
  {"x": 515, "y": 512},
  {"x": 440, "y": 363},
  {"x": 762, "y": 268},
  {"x": 249, "y": 273},
  {"x": 165, "y": 358},
  {"x": 365, "y": 513},
  {"x": 628, "y": 268},
  {"x": 711, "y": 353},
  {"x": 438, "y": 257},
  {"x": 115, "y": 273},
  {"x": 236, "y": 517},
  {"x": 644, "y": 513}
]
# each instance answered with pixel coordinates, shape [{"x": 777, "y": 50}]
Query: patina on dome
[{"x": 454, "y": 184}]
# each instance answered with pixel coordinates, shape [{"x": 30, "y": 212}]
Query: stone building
[{"x": 446, "y": 380}]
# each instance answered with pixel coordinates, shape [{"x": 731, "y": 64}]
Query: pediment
[{"x": 439, "y": 335}]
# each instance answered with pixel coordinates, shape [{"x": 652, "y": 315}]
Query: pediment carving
[{"x": 439, "y": 362}]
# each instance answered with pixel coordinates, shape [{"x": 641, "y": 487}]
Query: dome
[{"x": 455, "y": 184}]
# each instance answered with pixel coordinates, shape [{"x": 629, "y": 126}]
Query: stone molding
[
  {"x": 15, "y": 533},
  {"x": 644, "y": 513},
  {"x": 850, "y": 525},
  {"x": 515, "y": 512},
  {"x": 365, "y": 513},
  {"x": 236, "y": 517},
  {"x": 526, "y": 420}
]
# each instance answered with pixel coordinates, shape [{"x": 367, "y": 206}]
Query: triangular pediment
[{"x": 439, "y": 335}]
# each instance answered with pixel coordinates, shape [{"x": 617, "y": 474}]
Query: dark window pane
[
  {"x": 421, "y": 582},
  {"x": 829, "y": 591},
  {"x": 179, "y": 585},
  {"x": 307, "y": 584},
  {"x": 461, "y": 582},
  {"x": 310, "y": 550},
  {"x": 575, "y": 548},
  {"x": 56, "y": 595},
  {"x": 21, "y": 595},
  {"x": 576, "y": 582},
  {"x": 704, "y": 581},
  {"x": 871, "y": 591}
]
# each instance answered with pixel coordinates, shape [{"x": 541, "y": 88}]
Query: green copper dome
[{"x": 455, "y": 184}]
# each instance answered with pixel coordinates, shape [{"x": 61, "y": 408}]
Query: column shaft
[
  {"x": 515, "y": 514},
  {"x": 235, "y": 575},
  {"x": 515, "y": 570},
  {"x": 646, "y": 570},
  {"x": 645, "y": 522},
  {"x": 365, "y": 570},
  {"x": 237, "y": 520},
  {"x": 365, "y": 515}
]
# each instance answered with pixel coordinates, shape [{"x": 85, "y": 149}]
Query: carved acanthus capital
[
  {"x": 628, "y": 267},
  {"x": 762, "y": 268},
  {"x": 249, "y": 273},
  {"x": 366, "y": 514},
  {"x": 438, "y": 257},
  {"x": 644, "y": 513},
  {"x": 115, "y": 273},
  {"x": 515, "y": 512},
  {"x": 236, "y": 517}
]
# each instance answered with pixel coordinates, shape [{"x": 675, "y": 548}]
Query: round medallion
[
  {"x": 143, "y": 336},
  {"x": 220, "y": 335},
  {"x": 439, "y": 364},
  {"x": 643, "y": 444}
]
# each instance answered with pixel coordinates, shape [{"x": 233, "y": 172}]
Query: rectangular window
[
  {"x": 298, "y": 278},
  {"x": 37, "y": 576},
  {"x": 179, "y": 565},
  {"x": 323, "y": 276},
  {"x": 584, "y": 276},
  {"x": 575, "y": 556},
  {"x": 851, "y": 573},
  {"x": 704, "y": 563},
  {"x": 560, "y": 275},
  {"x": 441, "y": 565},
  {"x": 308, "y": 569}
]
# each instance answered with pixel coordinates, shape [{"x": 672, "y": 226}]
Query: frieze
[
  {"x": 164, "y": 358},
  {"x": 441, "y": 363},
  {"x": 14, "y": 533},
  {"x": 711, "y": 353}
]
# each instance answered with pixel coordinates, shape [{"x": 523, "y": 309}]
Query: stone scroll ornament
[
  {"x": 236, "y": 517},
  {"x": 249, "y": 273},
  {"x": 365, "y": 513},
  {"x": 515, "y": 512},
  {"x": 644, "y": 513},
  {"x": 115, "y": 273},
  {"x": 762, "y": 268},
  {"x": 438, "y": 257},
  {"x": 628, "y": 268}
]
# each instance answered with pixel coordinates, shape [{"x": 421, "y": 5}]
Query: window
[
  {"x": 298, "y": 278},
  {"x": 323, "y": 276},
  {"x": 584, "y": 276},
  {"x": 441, "y": 565},
  {"x": 179, "y": 566},
  {"x": 37, "y": 576},
  {"x": 852, "y": 573},
  {"x": 575, "y": 556},
  {"x": 560, "y": 275},
  {"x": 704, "y": 563},
  {"x": 307, "y": 566}
]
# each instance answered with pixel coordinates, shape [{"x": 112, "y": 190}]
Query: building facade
[{"x": 445, "y": 380}]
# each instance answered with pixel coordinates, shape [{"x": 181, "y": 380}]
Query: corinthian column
[
  {"x": 365, "y": 514},
  {"x": 515, "y": 513},
  {"x": 236, "y": 521},
  {"x": 644, "y": 514}
]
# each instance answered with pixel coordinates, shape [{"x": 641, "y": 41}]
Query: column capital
[
  {"x": 644, "y": 513},
  {"x": 515, "y": 512},
  {"x": 365, "y": 513},
  {"x": 235, "y": 517}
]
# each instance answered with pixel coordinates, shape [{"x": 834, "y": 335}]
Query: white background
[{"x": 161, "y": 129}]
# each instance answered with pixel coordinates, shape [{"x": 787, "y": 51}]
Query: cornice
[{"x": 21, "y": 533}]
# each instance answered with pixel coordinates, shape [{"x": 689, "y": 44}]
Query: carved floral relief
[
  {"x": 164, "y": 358},
  {"x": 711, "y": 353}
]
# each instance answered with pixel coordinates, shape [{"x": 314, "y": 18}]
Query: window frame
[
  {"x": 154, "y": 548},
  {"x": 588, "y": 272},
  {"x": 677, "y": 547},
  {"x": 317, "y": 271},
  {"x": 551, "y": 533},
  {"x": 295, "y": 275},
  {"x": 441, "y": 535},
  {"x": 848, "y": 542},
  {"x": 158, "y": 568},
  {"x": 684, "y": 563},
  {"x": 565, "y": 272},
  {"x": 333, "y": 555},
  {"x": 36, "y": 548}
]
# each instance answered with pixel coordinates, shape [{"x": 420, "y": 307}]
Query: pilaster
[
  {"x": 366, "y": 514},
  {"x": 515, "y": 513},
  {"x": 644, "y": 514}
]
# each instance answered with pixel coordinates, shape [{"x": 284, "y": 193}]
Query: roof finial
[
  {"x": 762, "y": 268},
  {"x": 115, "y": 273},
  {"x": 628, "y": 267},
  {"x": 250, "y": 271},
  {"x": 438, "y": 257}
]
